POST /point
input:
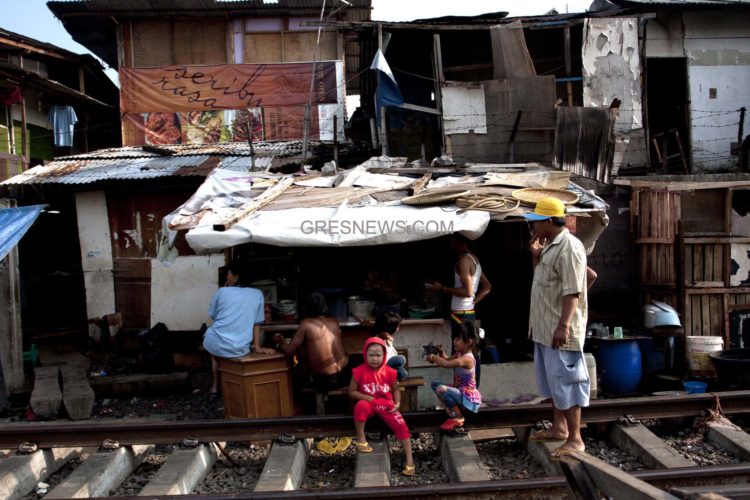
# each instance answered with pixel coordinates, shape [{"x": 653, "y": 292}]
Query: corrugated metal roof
[
  {"x": 155, "y": 6},
  {"x": 604, "y": 5},
  {"x": 133, "y": 163}
]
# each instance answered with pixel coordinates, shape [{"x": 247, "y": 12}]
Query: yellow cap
[{"x": 547, "y": 208}]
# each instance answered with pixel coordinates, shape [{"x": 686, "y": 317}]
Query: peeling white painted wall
[
  {"x": 96, "y": 253},
  {"x": 612, "y": 68},
  {"x": 181, "y": 293}
]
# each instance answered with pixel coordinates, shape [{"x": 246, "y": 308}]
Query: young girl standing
[
  {"x": 375, "y": 388},
  {"x": 463, "y": 392}
]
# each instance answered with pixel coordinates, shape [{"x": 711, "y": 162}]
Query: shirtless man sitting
[{"x": 320, "y": 337}]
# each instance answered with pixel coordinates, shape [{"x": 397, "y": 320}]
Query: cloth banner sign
[{"x": 225, "y": 86}]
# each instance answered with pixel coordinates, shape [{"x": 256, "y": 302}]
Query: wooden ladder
[{"x": 664, "y": 156}]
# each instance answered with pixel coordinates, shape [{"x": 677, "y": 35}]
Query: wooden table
[{"x": 256, "y": 386}]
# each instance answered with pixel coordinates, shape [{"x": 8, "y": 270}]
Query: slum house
[
  {"x": 41, "y": 84},
  {"x": 694, "y": 62},
  {"x": 690, "y": 230},
  {"x": 100, "y": 274},
  {"x": 264, "y": 44},
  {"x": 509, "y": 89},
  {"x": 54, "y": 102},
  {"x": 202, "y": 71}
]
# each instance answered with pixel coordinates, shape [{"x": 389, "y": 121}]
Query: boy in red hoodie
[{"x": 375, "y": 388}]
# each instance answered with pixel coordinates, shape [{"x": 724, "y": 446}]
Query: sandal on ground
[
  {"x": 409, "y": 470},
  {"x": 342, "y": 444},
  {"x": 544, "y": 436},
  {"x": 325, "y": 446},
  {"x": 452, "y": 423},
  {"x": 363, "y": 447}
]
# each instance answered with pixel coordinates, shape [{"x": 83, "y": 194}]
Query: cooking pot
[{"x": 363, "y": 309}]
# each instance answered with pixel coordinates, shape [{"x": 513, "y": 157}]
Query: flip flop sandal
[
  {"x": 451, "y": 424},
  {"x": 342, "y": 444},
  {"x": 544, "y": 436},
  {"x": 363, "y": 447},
  {"x": 325, "y": 446},
  {"x": 560, "y": 453},
  {"x": 409, "y": 470}
]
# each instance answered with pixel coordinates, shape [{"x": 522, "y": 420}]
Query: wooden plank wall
[{"x": 656, "y": 214}]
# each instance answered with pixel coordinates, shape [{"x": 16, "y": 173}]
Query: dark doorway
[{"x": 668, "y": 107}]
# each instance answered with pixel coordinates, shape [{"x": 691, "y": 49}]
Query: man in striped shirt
[{"x": 557, "y": 322}]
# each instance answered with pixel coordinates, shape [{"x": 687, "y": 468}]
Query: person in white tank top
[
  {"x": 470, "y": 284},
  {"x": 469, "y": 287}
]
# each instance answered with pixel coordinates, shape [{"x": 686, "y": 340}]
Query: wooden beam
[
  {"x": 422, "y": 109},
  {"x": 261, "y": 201},
  {"x": 421, "y": 183},
  {"x": 31, "y": 48},
  {"x": 468, "y": 67},
  {"x": 568, "y": 65},
  {"x": 611, "y": 481}
]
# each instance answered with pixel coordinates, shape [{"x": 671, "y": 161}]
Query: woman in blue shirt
[{"x": 237, "y": 312}]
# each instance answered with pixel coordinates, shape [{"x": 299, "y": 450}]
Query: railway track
[{"x": 123, "y": 446}]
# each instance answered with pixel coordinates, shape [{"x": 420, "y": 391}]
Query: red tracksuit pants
[{"x": 364, "y": 410}]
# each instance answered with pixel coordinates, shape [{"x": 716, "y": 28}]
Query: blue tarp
[{"x": 14, "y": 222}]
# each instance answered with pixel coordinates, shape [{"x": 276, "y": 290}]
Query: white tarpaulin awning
[{"x": 339, "y": 226}]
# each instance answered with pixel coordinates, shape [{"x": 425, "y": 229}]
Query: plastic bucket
[
  {"x": 698, "y": 349},
  {"x": 695, "y": 387},
  {"x": 620, "y": 364},
  {"x": 591, "y": 367}
]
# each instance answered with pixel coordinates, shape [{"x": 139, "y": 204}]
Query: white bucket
[
  {"x": 698, "y": 349},
  {"x": 591, "y": 367}
]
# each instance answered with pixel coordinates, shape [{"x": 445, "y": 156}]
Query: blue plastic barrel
[{"x": 620, "y": 365}]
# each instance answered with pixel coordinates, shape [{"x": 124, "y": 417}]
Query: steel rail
[
  {"x": 92, "y": 432},
  {"x": 550, "y": 487}
]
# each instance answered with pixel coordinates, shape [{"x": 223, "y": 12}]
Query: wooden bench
[{"x": 409, "y": 400}]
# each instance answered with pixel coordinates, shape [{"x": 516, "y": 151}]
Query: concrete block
[
  {"x": 734, "y": 440},
  {"x": 374, "y": 469},
  {"x": 20, "y": 473},
  {"x": 101, "y": 472},
  {"x": 284, "y": 467},
  {"x": 77, "y": 394},
  {"x": 182, "y": 471},
  {"x": 647, "y": 447},
  {"x": 46, "y": 396},
  {"x": 461, "y": 460},
  {"x": 541, "y": 451}
]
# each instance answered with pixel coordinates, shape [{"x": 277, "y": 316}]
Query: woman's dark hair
[
  {"x": 386, "y": 322},
  {"x": 315, "y": 305},
  {"x": 241, "y": 272},
  {"x": 467, "y": 332}
]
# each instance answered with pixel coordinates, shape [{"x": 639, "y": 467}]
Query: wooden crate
[
  {"x": 705, "y": 262},
  {"x": 657, "y": 214},
  {"x": 705, "y": 312},
  {"x": 656, "y": 264}
]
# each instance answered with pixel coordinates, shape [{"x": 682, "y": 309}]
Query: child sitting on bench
[
  {"x": 463, "y": 392},
  {"x": 375, "y": 388}
]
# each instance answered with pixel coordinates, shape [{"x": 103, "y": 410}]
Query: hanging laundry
[
  {"x": 62, "y": 118},
  {"x": 10, "y": 96}
]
